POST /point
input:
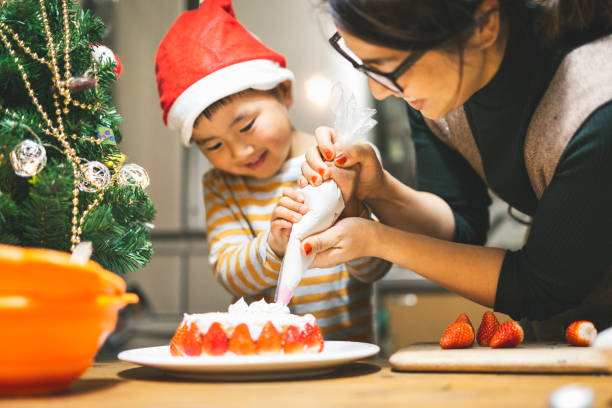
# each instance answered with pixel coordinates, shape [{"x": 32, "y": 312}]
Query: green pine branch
[{"x": 37, "y": 211}]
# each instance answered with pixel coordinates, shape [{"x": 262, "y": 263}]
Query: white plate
[{"x": 233, "y": 367}]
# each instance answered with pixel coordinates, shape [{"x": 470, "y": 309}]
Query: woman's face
[{"x": 434, "y": 85}]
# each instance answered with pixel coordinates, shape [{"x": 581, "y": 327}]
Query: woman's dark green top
[{"x": 569, "y": 247}]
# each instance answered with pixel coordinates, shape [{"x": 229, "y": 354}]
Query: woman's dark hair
[
  {"x": 565, "y": 16},
  {"x": 427, "y": 24}
]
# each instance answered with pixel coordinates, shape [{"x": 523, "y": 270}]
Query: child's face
[{"x": 249, "y": 136}]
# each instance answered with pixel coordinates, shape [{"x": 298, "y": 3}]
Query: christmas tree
[{"x": 63, "y": 178}]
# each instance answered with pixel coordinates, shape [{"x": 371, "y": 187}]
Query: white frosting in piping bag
[{"x": 325, "y": 204}]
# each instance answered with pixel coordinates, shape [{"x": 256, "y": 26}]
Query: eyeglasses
[{"x": 386, "y": 79}]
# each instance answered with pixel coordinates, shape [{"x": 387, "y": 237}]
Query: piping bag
[{"x": 324, "y": 201}]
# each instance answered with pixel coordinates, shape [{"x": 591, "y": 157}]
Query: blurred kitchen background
[{"x": 179, "y": 278}]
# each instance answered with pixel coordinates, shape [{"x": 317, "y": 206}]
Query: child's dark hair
[
  {"x": 416, "y": 25},
  {"x": 215, "y": 106}
]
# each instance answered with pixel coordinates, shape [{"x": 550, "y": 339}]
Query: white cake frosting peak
[{"x": 240, "y": 306}]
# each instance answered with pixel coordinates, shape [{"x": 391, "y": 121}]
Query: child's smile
[{"x": 258, "y": 162}]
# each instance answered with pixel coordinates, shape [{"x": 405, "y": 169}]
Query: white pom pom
[{"x": 102, "y": 53}]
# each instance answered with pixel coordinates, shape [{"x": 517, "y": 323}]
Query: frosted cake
[{"x": 258, "y": 328}]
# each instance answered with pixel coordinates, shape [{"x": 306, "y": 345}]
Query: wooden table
[{"x": 363, "y": 384}]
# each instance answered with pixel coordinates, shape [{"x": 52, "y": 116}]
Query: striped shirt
[{"x": 243, "y": 262}]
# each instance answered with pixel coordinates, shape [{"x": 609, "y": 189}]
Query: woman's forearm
[
  {"x": 471, "y": 271},
  {"x": 404, "y": 208}
]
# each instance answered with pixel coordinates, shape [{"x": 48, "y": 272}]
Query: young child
[{"x": 229, "y": 94}]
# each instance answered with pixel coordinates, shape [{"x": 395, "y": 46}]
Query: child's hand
[
  {"x": 288, "y": 211},
  {"x": 326, "y": 161}
]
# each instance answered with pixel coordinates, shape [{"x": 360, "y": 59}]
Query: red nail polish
[
  {"x": 307, "y": 248},
  {"x": 341, "y": 159},
  {"x": 328, "y": 155},
  {"x": 314, "y": 179},
  {"x": 322, "y": 172}
]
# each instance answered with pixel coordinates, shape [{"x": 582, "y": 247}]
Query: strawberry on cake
[{"x": 258, "y": 328}]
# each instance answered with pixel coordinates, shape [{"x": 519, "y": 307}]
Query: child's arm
[
  {"x": 368, "y": 269},
  {"x": 243, "y": 264}
]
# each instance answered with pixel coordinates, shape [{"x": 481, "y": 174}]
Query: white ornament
[
  {"x": 133, "y": 175},
  {"x": 103, "y": 54},
  {"x": 28, "y": 158},
  {"x": 94, "y": 177}
]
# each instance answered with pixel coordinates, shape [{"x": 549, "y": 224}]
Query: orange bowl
[{"x": 54, "y": 317}]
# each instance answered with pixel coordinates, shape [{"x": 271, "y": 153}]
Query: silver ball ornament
[
  {"x": 94, "y": 177},
  {"x": 28, "y": 158},
  {"x": 133, "y": 175}
]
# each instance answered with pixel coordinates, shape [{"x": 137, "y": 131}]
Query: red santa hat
[{"x": 208, "y": 55}]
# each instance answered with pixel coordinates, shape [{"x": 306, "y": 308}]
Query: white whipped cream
[{"x": 255, "y": 316}]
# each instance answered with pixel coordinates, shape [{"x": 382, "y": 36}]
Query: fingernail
[
  {"x": 328, "y": 155},
  {"x": 322, "y": 172},
  {"x": 307, "y": 248},
  {"x": 341, "y": 159},
  {"x": 314, "y": 179},
  {"x": 303, "y": 209}
]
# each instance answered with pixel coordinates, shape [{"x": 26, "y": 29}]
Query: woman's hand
[
  {"x": 327, "y": 159},
  {"x": 341, "y": 242},
  {"x": 288, "y": 211}
]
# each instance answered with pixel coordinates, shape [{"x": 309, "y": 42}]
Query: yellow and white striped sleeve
[
  {"x": 368, "y": 269},
  {"x": 244, "y": 264}
]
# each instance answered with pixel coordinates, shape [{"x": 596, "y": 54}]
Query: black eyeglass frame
[{"x": 371, "y": 72}]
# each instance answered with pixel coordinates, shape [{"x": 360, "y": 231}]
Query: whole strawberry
[
  {"x": 192, "y": 343},
  {"x": 241, "y": 342},
  {"x": 486, "y": 330},
  {"x": 508, "y": 334},
  {"x": 215, "y": 341},
  {"x": 457, "y": 335},
  {"x": 462, "y": 318},
  {"x": 580, "y": 333}
]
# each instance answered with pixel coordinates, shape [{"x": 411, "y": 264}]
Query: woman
[{"x": 504, "y": 95}]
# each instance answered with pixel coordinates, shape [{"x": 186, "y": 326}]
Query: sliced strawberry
[
  {"x": 215, "y": 341},
  {"x": 176, "y": 344},
  {"x": 457, "y": 335},
  {"x": 313, "y": 339},
  {"x": 192, "y": 344},
  {"x": 464, "y": 319},
  {"x": 270, "y": 340},
  {"x": 508, "y": 334},
  {"x": 293, "y": 341},
  {"x": 241, "y": 342},
  {"x": 581, "y": 333},
  {"x": 488, "y": 327}
]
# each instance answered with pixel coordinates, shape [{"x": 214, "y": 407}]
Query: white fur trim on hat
[{"x": 261, "y": 74}]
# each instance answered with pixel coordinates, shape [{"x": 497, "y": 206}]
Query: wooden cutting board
[{"x": 526, "y": 358}]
